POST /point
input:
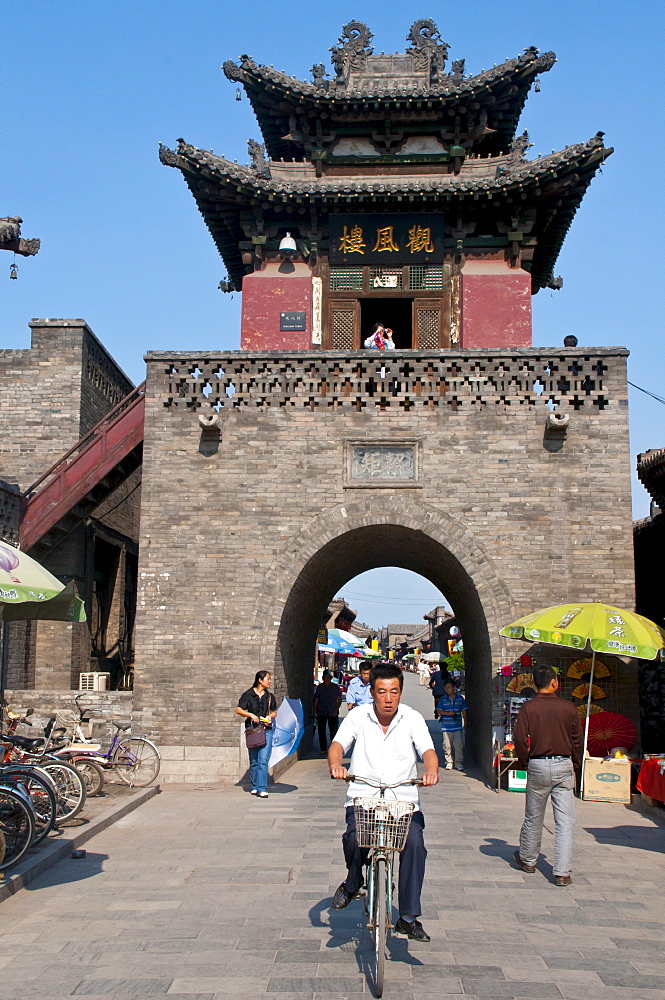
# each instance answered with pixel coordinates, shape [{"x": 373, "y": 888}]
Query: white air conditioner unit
[{"x": 95, "y": 681}]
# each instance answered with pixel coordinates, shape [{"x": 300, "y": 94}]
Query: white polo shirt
[{"x": 384, "y": 757}]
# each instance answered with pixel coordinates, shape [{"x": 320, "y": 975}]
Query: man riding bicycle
[{"x": 386, "y": 738}]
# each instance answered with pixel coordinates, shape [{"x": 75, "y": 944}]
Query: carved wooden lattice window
[
  {"x": 428, "y": 325},
  {"x": 425, "y": 277},
  {"x": 342, "y": 329},
  {"x": 344, "y": 279}
]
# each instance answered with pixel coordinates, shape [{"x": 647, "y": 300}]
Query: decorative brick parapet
[{"x": 592, "y": 380}]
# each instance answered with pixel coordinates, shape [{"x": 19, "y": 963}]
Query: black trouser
[
  {"x": 411, "y": 862},
  {"x": 333, "y": 725}
]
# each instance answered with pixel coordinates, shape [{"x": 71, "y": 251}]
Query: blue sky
[{"x": 94, "y": 87}]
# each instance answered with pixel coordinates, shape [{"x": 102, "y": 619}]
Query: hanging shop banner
[{"x": 386, "y": 240}]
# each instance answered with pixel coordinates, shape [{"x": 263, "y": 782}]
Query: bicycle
[
  {"x": 43, "y": 795},
  {"x": 382, "y": 826},
  {"x": 134, "y": 759},
  {"x": 17, "y": 823},
  {"x": 69, "y": 784}
]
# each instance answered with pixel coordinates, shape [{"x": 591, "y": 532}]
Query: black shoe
[
  {"x": 522, "y": 864},
  {"x": 342, "y": 897},
  {"x": 415, "y": 930}
]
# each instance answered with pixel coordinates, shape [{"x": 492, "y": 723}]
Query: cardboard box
[
  {"x": 606, "y": 780},
  {"x": 516, "y": 781}
]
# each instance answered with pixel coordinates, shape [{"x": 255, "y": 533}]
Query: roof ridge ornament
[
  {"x": 318, "y": 72},
  {"x": 257, "y": 154},
  {"x": 353, "y": 49},
  {"x": 428, "y": 48},
  {"x": 518, "y": 150}
]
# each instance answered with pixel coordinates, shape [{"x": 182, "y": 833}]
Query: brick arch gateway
[{"x": 353, "y": 538}]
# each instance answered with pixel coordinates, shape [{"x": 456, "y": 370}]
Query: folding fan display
[
  {"x": 581, "y": 710},
  {"x": 580, "y": 668},
  {"x": 521, "y": 681},
  {"x": 582, "y": 691}
]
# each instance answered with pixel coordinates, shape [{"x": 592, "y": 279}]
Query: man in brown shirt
[{"x": 549, "y": 745}]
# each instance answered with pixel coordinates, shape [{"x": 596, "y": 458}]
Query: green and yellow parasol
[
  {"x": 28, "y": 591},
  {"x": 599, "y": 627}
]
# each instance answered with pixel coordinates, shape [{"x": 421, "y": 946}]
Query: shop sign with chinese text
[{"x": 405, "y": 238}]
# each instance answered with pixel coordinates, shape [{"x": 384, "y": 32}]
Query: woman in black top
[{"x": 257, "y": 705}]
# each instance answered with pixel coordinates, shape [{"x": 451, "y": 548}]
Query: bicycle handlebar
[{"x": 377, "y": 784}]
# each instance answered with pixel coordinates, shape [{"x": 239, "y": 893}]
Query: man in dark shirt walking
[
  {"x": 549, "y": 746},
  {"x": 327, "y": 699},
  {"x": 437, "y": 685}
]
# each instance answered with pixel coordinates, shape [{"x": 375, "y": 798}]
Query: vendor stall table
[
  {"x": 651, "y": 779},
  {"x": 501, "y": 766}
]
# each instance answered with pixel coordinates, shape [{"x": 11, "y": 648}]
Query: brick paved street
[{"x": 206, "y": 892}]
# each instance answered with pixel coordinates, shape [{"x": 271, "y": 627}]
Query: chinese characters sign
[
  {"x": 408, "y": 238},
  {"x": 383, "y": 462}
]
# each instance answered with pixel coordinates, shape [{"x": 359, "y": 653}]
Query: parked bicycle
[
  {"x": 135, "y": 759},
  {"x": 36, "y": 752},
  {"x": 17, "y": 823},
  {"x": 382, "y": 826}
]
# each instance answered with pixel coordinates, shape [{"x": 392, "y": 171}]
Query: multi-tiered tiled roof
[{"x": 393, "y": 133}]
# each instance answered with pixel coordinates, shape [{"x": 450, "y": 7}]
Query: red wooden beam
[{"x": 82, "y": 468}]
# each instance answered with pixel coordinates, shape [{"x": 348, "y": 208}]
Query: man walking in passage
[
  {"x": 359, "y": 691},
  {"x": 452, "y": 712},
  {"x": 437, "y": 685},
  {"x": 387, "y": 738},
  {"x": 549, "y": 746},
  {"x": 327, "y": 699}
]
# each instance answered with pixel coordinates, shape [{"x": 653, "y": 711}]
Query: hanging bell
[
  {"x": 238, "y": 94},
  {"x": 13, "y": 271}
]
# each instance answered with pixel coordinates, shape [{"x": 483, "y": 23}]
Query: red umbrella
[{"x": 608, "y": 730}]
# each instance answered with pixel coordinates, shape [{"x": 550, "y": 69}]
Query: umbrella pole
[{"x": 586, "y": 721}]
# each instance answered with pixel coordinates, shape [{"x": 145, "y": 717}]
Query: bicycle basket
[{"x": 382, "y": 824}]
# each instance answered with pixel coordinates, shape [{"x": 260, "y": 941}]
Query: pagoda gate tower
[
  {"x": 395, "y": 190},
  {"x": 404, "y": 194}
]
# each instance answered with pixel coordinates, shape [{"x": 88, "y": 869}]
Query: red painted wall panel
[
  {"x": 266, "y": 294},
  {"x": 496, "y": 310}
]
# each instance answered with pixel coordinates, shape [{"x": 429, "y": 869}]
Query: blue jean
[
  {"x": 547, "y": 778},
  {"x": 411, "y": 862},
  {"x": 258, "y": 764}
]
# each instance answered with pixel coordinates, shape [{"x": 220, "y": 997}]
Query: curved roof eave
[
  {"x": 248, "y": 73},
  {"x": 234, "y": 177}
]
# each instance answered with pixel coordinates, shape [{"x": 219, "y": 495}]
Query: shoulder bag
[{"x": 255, "y": 736}]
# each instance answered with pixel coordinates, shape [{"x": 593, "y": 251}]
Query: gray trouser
[
  {"x": 453, "y": 746},
  {"x": 555, "y": 778}
]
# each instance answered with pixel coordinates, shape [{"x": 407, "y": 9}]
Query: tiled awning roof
[
  {"x": 271, "y": 91},
  {"x": 555, "y": 183}
]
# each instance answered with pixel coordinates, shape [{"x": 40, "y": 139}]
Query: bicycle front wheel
[
  {"x": 379, "y": 918},
  {"x": 42, "y": 794},
  {"x": 136, "y": 761},
  {"x": 92, "y": 775},
  {"x": 69, "y": 788},
  {"x": 17, "y": 825}
]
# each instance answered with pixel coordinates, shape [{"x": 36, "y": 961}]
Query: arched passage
[{"x": 351, "y": 539}]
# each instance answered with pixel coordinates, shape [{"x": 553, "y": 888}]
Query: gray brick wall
[
  {"x": 52, "y": 393},
  {"x": 246, "y": 536}
]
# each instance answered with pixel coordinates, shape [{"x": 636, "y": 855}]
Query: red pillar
[
  {"x": 266, "y": 294},
  {"x": 496, "y": 306}
]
